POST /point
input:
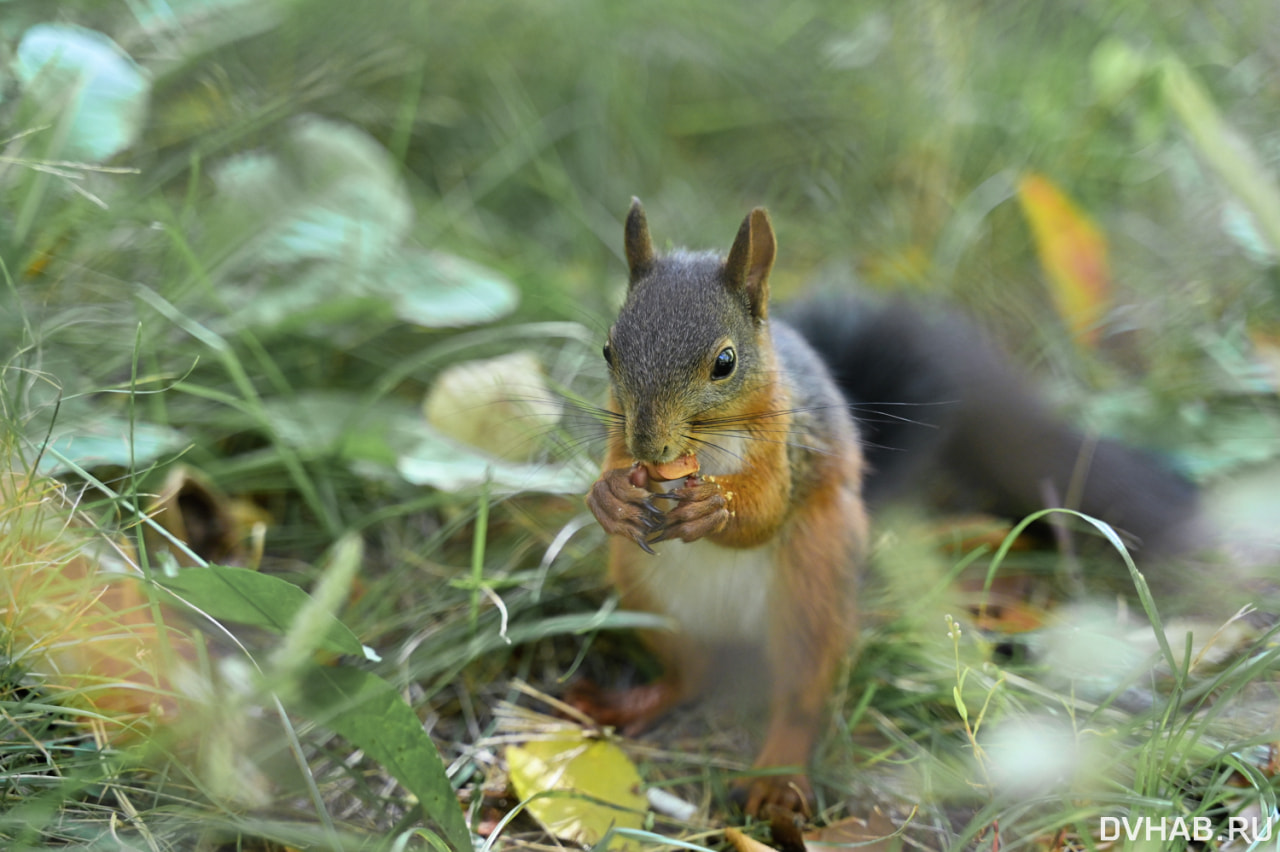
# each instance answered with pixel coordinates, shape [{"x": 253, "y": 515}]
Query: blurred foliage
[
  {"x": 250, "y": 234},
  {"x": 886, "y": 138}
]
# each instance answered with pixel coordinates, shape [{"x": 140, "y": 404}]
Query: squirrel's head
[{"x": 692, "y": 342}]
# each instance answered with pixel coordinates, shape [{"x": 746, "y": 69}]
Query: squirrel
[{"x": 761, "y": 543}]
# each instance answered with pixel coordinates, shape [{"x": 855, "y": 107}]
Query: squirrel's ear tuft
[
  {"x": 638, "y": 244},
  {"x": 750, "y": 261}
]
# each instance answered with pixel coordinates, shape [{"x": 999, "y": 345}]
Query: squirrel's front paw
[
  {"x": 702, "y": 509},
  {"x": 624, "y": 508}
]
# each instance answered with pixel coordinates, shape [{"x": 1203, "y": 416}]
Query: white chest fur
[{"x": 716, "y": 594}]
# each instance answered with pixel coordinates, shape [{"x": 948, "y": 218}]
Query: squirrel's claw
[
  {"x": 702, "y": 510},
  {"x": 623, "y": 508},
  {"x": 694, "y": 486}
]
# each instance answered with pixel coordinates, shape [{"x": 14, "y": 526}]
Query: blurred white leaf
[
  {"x": 1239, "y": 224},
  {"x": 312, "y": 300},
  {"x": 1090, "y": 649},
  {"x": 344, "y": 424},
  {"x": 450, "y": 466},
  {"x": 425, "y": 288},
  {"x": 1032, "y": 757},
  {"x": 1245, "y": 508},
  {"x": 500, "y": 405},
  {"x": 861, "y": 46},
  {"x": 435, "y": 289},
  {"x": 330, "y": 196},
  {"x": 330, "y": 192},
  {"x": 91, "y": 442},
  {"x": 170, "y": 12},
  {"x": 103, "y": 91}
]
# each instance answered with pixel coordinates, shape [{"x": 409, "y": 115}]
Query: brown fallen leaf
[
  {"x": 210, "y": 524},
  {"x": 877, "y": 832}
]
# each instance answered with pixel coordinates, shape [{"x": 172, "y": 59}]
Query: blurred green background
[
  {"x": 249, "y": 236},
  {"x": 886, "y": 139}
]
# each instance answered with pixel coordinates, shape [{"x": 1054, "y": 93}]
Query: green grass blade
[{"x": 370, "y": 714}]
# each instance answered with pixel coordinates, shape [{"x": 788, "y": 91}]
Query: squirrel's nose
[
  {"x": 650, "y": 447},
  {"x": 652, "y": 431}
]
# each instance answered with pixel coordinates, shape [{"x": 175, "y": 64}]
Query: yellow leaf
[
  {"x": 744, "y": 843},
  {"x": 1073, "y": 253},
  {"x": 602, "y": 787}
]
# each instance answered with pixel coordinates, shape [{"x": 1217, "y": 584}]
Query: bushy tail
[{"x": 945, "y": 415}]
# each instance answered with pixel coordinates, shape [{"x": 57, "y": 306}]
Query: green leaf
[
  {"x": 248, "y": 597},
  {"x": 103, "y": 92},
  {"x": 961, "y": 708},
  {"x": 371, "y": 715}
]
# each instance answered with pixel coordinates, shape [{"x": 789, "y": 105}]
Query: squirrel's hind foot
[{"x": 771, "y": 796}]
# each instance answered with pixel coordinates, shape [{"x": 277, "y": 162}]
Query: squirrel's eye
[
  {"x": 725, "y": 361},
  {"x": 608, "y": 354}
]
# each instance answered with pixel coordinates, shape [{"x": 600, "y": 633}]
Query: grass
[{"x": 264, "y": 299}]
